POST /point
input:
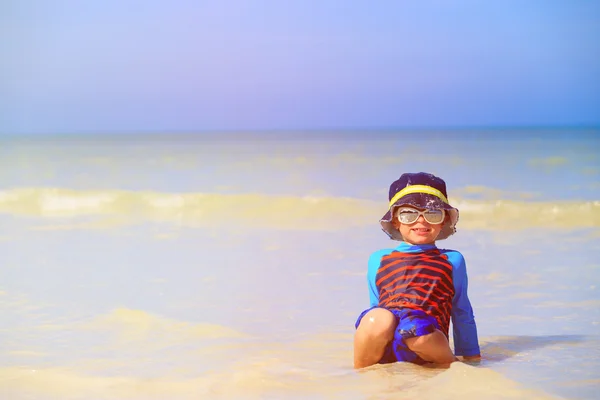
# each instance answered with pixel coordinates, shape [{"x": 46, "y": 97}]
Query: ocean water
[{"x": 233, "y": 266}]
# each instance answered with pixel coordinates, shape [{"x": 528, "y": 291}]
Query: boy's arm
[
  {"x": 466, "y": 342},
  {"x": 374, "y": 263}
]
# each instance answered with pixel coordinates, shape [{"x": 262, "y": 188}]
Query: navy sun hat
[{"x": 423, "y": 191}]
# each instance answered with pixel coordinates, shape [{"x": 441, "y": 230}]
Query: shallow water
[{"x": 196, "y": 268}]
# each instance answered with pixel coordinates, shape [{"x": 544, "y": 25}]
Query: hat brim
[{"x": 421, "y": 201}]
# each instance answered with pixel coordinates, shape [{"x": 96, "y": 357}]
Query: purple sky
[{"x": 111, "y": 66}]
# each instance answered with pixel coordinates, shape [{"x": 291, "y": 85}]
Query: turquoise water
[
  {"x": 543, "y": 164},
  {"x": 211, "y": 267}
]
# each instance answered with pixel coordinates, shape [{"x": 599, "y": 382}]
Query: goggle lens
[{"x": 410, "y": 216}]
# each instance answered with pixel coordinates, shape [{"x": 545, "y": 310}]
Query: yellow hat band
[{"x": 418, "y": 189}]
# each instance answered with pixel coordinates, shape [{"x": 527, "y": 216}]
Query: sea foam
[{"x": 281, "y": 211}]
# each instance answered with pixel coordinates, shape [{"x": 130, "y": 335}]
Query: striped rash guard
[{"x": 423, "y": 277}]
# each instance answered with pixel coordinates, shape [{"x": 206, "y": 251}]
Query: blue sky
[{"x": 153, "y": 66}]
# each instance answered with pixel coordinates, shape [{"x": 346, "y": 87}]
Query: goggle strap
[{"x": 418, "y": 189}]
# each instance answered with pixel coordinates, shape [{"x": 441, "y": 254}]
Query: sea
[{"x": 232, "y": 265}]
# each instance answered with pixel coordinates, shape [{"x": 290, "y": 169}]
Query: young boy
[{"x": 416, "y": 288}]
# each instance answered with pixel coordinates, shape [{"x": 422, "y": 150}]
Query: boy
[{"x": 416, "y": 288}]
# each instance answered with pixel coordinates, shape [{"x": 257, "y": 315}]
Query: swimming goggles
[{"x": 410, "y": 216}]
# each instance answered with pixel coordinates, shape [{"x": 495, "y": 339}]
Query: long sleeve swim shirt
[{"x": 430, "y": 279}]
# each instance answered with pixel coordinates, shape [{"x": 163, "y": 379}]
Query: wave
[{"x": 279, "y": 212}]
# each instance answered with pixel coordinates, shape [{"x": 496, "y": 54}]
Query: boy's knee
[
  {"x": 434, "y": 339},
  {"x": 378, "y": 323},
  {"x": 432, "y": 347}
]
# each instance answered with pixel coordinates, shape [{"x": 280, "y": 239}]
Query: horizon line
[{"x": 309, "y": 130}]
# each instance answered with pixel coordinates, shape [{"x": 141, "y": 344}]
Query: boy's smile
[{"x": 421, "y": 231}]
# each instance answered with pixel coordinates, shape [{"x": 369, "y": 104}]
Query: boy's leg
[
  {"x": 433, "y": 347},
  {"x": 375, "y": 331}
]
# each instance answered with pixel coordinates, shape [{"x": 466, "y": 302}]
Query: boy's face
[{"x": 419, "y": 232}]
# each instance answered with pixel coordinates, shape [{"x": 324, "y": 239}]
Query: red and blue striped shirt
[{"x": 426, "y": 278}]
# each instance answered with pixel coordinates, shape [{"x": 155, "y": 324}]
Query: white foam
[
  {"x": 285, "y": 212},
  {"x": 54, "y": 203}
]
